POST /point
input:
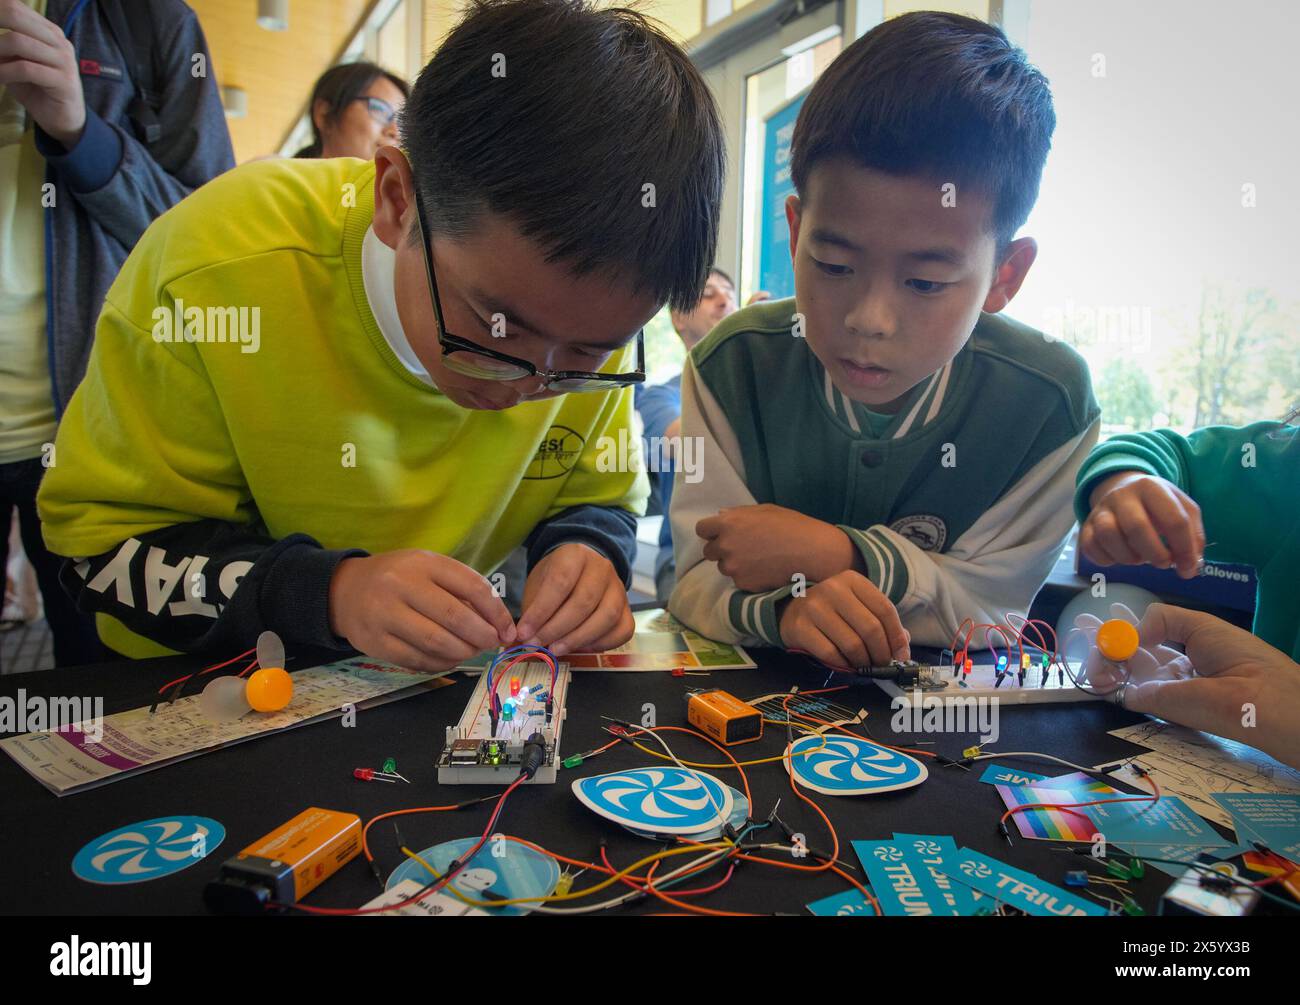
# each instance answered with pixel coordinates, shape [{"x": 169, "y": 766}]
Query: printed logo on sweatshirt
[
  {"x": 556, "y": 454},
  {"x": 925, "y": 531},
  {"x": 94, "y": 68}
]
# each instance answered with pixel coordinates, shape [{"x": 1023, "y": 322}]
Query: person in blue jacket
[
  {"x": 109, "y": 115},
  {"x": 660, "y": 408}
]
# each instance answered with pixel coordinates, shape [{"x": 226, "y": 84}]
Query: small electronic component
[
  {"x": 907, "y": 674},
  {"x": 371, "y": 775},
  {"x": 286, "y": 864},
  {"x": 723, "y": 716},
  {"x": 1213, "y": 889},
  {"x": 479, "y": 750}
]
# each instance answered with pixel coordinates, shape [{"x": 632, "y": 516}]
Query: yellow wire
[
  {"x": 744, "y": 764},
  {"x": 667, "y": 853},
  {"x": 636, "y": 865}
]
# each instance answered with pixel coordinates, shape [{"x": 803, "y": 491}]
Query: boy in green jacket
[
  {"x": 887, "y": 455},
  {"x": 1157, "y": 497}
]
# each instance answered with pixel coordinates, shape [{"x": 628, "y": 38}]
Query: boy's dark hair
[
  {"x": 556, "y": 114},
  {"x": 338, "y": 87},
  {"x": 934, "y": 94}
]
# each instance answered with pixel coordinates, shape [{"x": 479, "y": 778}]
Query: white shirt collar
[{"x": 378, "y": 263}]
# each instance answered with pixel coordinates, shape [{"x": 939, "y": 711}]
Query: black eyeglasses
[{"x": 473, "y": 360}]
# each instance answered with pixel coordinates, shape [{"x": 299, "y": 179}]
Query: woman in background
[{"x": 354, "y": 110}]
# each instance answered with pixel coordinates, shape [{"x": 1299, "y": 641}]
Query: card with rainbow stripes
[{"x": 1056, "y": 824}]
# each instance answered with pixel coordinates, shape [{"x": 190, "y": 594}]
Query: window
[
  {"x": 1167, "y": 214},
  {"x": 767, "y": 94}
]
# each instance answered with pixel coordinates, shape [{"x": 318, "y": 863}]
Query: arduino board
[{"x": 476, "y": 754}]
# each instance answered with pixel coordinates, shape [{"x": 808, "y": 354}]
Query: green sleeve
[{"x": 1246, "y": 479}]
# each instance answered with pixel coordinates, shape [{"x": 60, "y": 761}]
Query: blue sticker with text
[
  {"x": 1270, "y": 817},
  {"x": 901, "y": 880},
  {"x": 1016, "y": 887},
  {"x": 1000, "y": 774},
  {"x": 1167, "y": 820},
  {"x": 932, "y": 849}
]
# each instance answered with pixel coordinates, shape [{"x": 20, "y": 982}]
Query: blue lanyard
[{"x": 76, "y": 13}]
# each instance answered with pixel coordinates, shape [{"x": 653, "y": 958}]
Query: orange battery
[
  {"x": 724, "y": 717},
  {"x": 286, "y": 864}
]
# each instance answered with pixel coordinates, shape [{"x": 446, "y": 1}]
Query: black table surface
[{"x": 253, "y": 787}]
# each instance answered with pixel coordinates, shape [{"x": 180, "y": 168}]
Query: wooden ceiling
[{"x": 277, "y": 69}]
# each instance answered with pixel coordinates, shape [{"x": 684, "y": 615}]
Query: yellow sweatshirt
[{"x": 291, "y": 415}]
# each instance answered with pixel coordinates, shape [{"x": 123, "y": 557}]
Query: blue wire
[{"x": 515, "y": 651}]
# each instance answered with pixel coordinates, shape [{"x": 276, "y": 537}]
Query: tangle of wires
[
  {"x": 656, "y": 876},
  {"x": 1024, "y": 636},
  {"x": 508, "y": 658},
  {"x": 177, "y": 687}
]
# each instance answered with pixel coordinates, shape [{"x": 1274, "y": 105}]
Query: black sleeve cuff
[
  {"x": 294, "y": 596},
  {"x": 608, "y": 529}
]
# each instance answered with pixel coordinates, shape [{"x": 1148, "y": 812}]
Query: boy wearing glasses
[
  {"x": 328, "y": 396},
  {"x": 886, "y": 455}
]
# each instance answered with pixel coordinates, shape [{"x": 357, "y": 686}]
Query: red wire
[
  {"x": 447, "y": 877},
  {"x": 495, "y": 699},
  {"x": 1070, "y": 807},
  {"x": 636, "y": 881},
  {"x": 200, "y": 673}
]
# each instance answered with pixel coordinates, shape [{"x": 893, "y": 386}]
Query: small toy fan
[
  {"x": 267, "y": 689},
  {"x": 1115, "y": 655}
]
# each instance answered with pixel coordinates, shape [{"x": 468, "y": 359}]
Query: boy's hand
[
  {"x": 845, "y": 621},
  {"x": 574, "y": 600},
  {"x": 1131, "y": 513},
  {"x": 762, "y": 547},
  {"x": 417, "y": 609},
  {"x": 40, "y": 66}
]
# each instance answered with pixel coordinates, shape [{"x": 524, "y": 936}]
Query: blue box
[{"x": 1223, "y": 584}]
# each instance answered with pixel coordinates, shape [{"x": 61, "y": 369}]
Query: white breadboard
[
  {"x": 474, "y": 756},
  {"x": 981, "y": 682}
]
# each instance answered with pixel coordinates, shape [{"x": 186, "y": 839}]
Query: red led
[
  {"x": 514, "y": 686},
  {"x": 370, "y": 775}
]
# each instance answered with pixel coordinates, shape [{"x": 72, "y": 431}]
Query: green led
[
  {"x": 1118, "y": 870},
  {"x": 495, "y": 759},
  {"x": 1133, "y": 908},
  {"x": 389, "y": 765},
  {"x": 572, "y": 762},
  {"x": 1136, "y": 868}
]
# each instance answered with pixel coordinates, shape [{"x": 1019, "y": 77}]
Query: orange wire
[{"x": 649, "y": 887}]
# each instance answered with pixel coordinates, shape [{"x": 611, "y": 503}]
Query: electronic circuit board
[
  {"x": 1039, "y": 686},
  {"x": 474, "y": 756}
]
